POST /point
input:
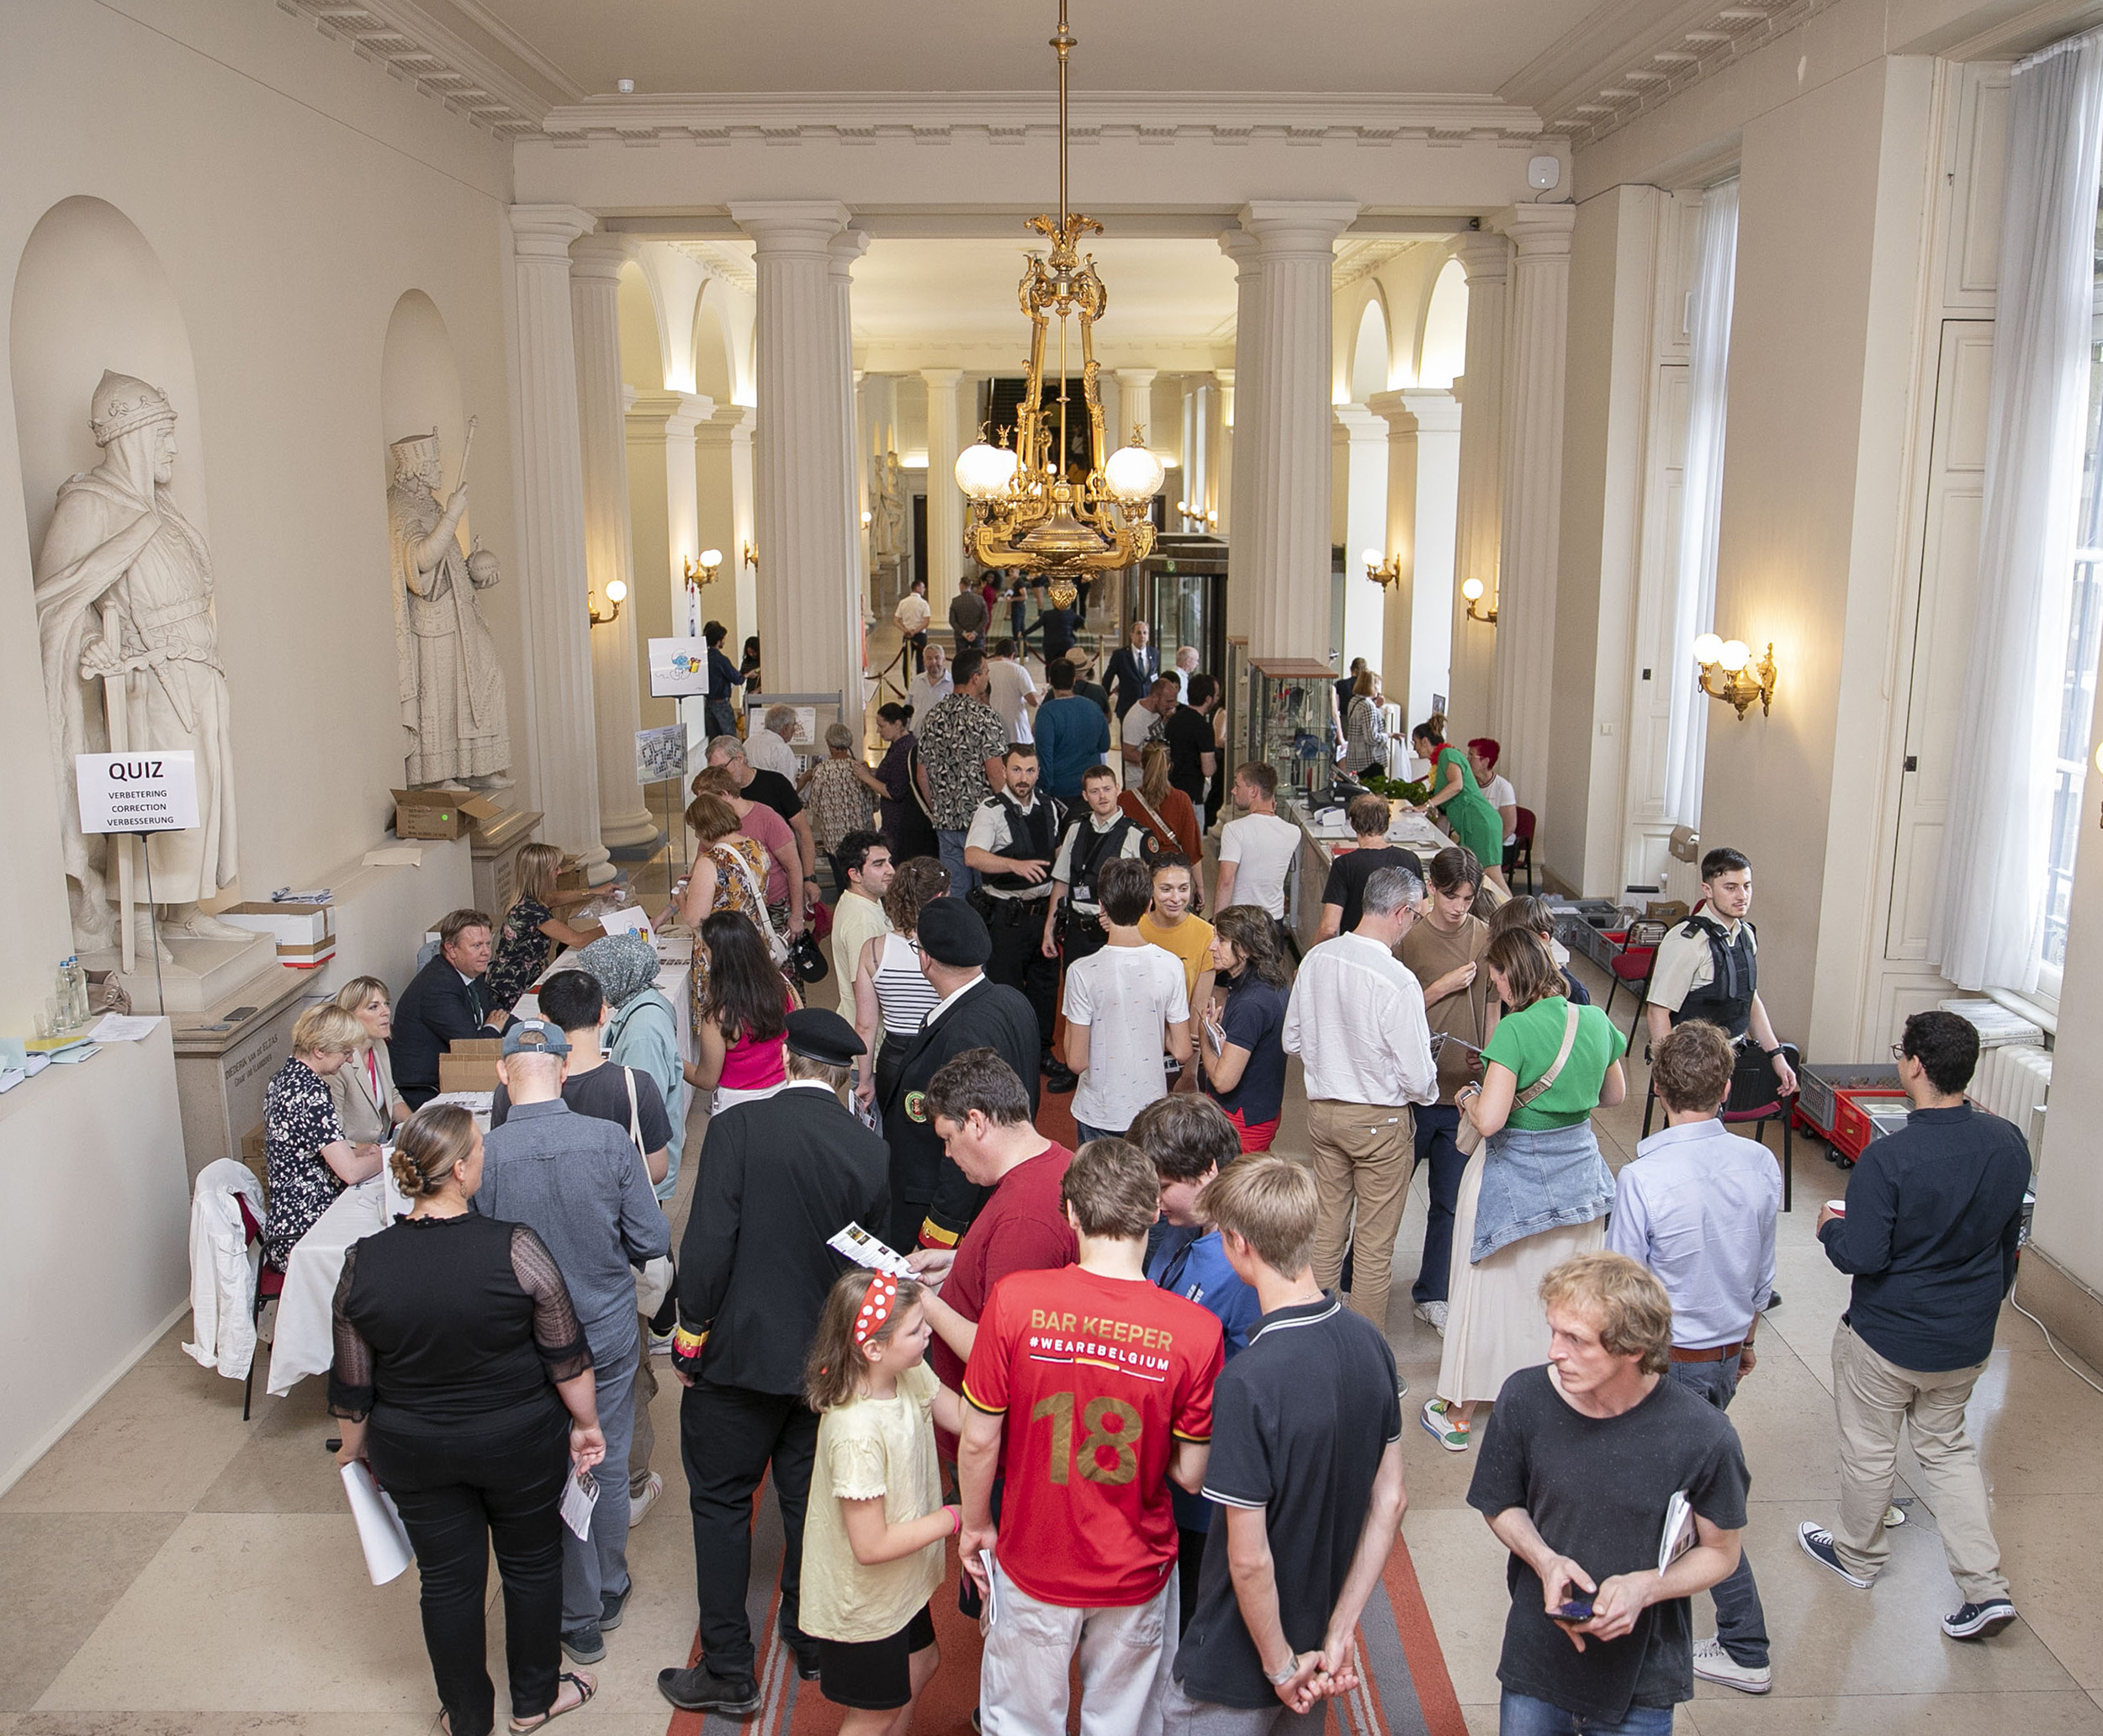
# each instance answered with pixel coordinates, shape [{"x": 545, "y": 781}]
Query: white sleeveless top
[{"x": 906, "y": 996}]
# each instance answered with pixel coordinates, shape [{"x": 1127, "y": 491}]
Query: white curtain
[
  {"x": 1700, "y": 497},
  {"x": 1989, "y": 909}
]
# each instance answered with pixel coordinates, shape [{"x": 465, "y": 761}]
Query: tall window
[{"x": 2077, "y": 690}]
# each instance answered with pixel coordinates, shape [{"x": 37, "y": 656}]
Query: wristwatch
[{"x": 1279, "y": 1678}]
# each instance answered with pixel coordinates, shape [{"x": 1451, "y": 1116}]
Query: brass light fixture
[
  {"x": 1027, "y": 512},
  {"x": 751, "y": 557},
  {"x": 617, "y": 593},
  {"x": 702, "y": 571},
  {"x": 1382, "y": 573},
  {"x": 1743, "y": 681},
  {"x": 1472, "y": 590}
]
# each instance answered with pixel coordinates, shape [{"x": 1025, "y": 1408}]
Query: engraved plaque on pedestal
[{"x": 495, "y": 849}]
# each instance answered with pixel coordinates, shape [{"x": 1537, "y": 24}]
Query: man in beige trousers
[{"x": 1356, "y": 1020}]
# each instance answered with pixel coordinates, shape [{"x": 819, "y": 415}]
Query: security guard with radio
[{"x": 1013, "y": 839}]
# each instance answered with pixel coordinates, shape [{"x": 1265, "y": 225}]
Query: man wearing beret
[
  {"x": 776, "y": 1178},
  {"x": 932, "y": 1203}
]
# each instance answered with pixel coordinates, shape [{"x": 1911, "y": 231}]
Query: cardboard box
[
  {"x": 480, "y": 811},
  {"x": 292, "y": 925},
  {"x": 306, "y": 958},
  {"x": 470, "y": 1064},
  {"x": 431, "y": 813},
  {"x": 1666, "y": 910}
]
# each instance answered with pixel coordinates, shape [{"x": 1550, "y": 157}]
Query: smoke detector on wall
[{"x": 1544, "y": 173}]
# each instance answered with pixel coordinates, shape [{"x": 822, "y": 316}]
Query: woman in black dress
[
  {"x": 464, "y": 1381},
  {"x": 906, "y": 827}
]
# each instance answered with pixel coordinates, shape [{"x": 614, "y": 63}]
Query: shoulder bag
[
  {"x": 777, "y": 949},
  {"x": 1466, "y": 1137}
]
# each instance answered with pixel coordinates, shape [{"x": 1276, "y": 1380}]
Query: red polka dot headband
[{"x": 876, "y": 1303}]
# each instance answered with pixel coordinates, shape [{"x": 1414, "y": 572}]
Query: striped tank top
[{"x": 905, "y": 996}]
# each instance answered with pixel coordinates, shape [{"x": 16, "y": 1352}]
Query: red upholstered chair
[
  {"x": 1521, "y": 849},
  {"x": 270, "y": 1283},
  {"x": 1631, "y": 967}
]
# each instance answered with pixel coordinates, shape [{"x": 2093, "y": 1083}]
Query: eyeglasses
[{"x": 1898, "y": 1052}]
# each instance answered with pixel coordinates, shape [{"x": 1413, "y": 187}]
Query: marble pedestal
[
  {"x": 220, "y": 1074},
  {"x": 204, "y": 971}
]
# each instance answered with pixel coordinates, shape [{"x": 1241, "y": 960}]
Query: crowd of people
[{"x": 1143, "y": 1383}]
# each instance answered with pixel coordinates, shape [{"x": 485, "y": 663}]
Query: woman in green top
[
  {"x": 1536, "y": 1192},
  {"x": 1474, "y": 823}
]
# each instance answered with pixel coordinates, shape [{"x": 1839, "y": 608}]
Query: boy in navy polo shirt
[{"x": 1190, "y": 1141}]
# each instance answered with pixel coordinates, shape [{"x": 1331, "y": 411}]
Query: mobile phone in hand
[{"x": 1574, "y": 1612}]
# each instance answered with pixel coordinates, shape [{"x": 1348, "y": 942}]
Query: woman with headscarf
[{"x": 642, "y": 1029}]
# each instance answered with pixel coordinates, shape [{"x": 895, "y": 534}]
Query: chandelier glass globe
[
  {"x": 1133, "y": 474},
  {"x": 983, "y": 471}
]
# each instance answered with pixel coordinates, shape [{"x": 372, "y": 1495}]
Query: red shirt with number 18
[{"x": 1097, "y": 1377}]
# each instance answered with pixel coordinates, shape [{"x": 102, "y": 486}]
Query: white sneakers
[
  {"x": 638, "y": 1505},
  {"x": 1712, "y": 1663},
  {"x": 1433, "y": 1315}
]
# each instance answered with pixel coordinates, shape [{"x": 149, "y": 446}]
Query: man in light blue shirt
[
  {"x": 1072, "y": 734},
  {"x": 1697, "y": 1207}
]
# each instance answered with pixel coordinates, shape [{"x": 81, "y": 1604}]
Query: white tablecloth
[{"x": 303, "y": 1342}]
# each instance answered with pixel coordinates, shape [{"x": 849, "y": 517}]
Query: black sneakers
[
  {"x": 584, "y": 1645},
  {"x": 696, "y": 1690},
  {"x": 1979, "y": 1621}
]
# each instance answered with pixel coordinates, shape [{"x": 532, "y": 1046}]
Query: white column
[
  {"x": 1223, "y": 454},
  {"x": 665, "y": 516},
  {"x": 1135, "y": 405},
  {"x": 840, "y": 256},
  {"x": 1365, "y": 527},
  {"x": 1530, "y": 538},
  {"x": 1289, "y": 572},
  {"x": 810, "y": 627},
  {"x": 1487, "y": 260},
  {"x": 595, "y": 283},
  {"x": 1438, "y": 466},
  {"x": 945, "y": 500},
  {"x": 1239, "y": 519},
  {"x": 722, "y": 497},
  {"x": 1200, "y": 487},
  {"x": 560, "y": 727}
]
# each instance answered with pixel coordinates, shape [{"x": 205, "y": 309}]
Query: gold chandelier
[{"x": 1027, "y": 510}]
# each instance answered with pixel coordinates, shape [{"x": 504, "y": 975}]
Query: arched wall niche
[
  {"x": 1442, "y": 351},
  {"x": 646, "y": 363},
  {"x": 89, "y": 294},
  {"x": 1370, "y": 354},
  {"x": 714, "y": 372},
  {"x": 420, "y": 383}
]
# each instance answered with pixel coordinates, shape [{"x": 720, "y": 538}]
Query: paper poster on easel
[
  {"x": 660, "y": 755},
  {"x": 679, "y": 668},
  {"x": 144, "y": 791}
]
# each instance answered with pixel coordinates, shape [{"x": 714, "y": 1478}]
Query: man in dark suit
[
  {"x": 776, "y": 1178},
  {"x": 1130, "y": 671},
  {"x": 446, "y": 999},
  {"x": 932, "y": 1204}
]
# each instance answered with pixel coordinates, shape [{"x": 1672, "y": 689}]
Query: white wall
[{"x": 291, "y": 192}]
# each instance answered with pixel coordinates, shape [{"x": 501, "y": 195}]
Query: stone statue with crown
[
  {"x": 452, "y": 684},
  {"x": 123, "y": 602}
]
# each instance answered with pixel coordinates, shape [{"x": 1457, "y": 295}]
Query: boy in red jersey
[{"x": 1087, "y": 1390}]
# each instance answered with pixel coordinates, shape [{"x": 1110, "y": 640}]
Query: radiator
[{"x": 2012, "y": 1081}]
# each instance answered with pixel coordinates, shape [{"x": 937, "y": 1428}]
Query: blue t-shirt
[
  {"x": 1072, "y": 734},
  {"x": 1255, "y": 1016},
  {"x": 1190, "y": 1263}
]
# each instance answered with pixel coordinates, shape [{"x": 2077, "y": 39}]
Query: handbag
[{"x": 1467, "y": 1137}]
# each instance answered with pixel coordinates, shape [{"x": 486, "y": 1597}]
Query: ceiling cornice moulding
[
  {"x": 860, "y": 117},
  {"x": 409, "y": 43}
]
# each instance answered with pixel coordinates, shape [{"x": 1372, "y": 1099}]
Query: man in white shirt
[
  {"x": 913, "y": 615},
  {"x": 767, "y": 748},
  {"x": 1122, "y": 1005},
  {"x": 932, "y": 683},
  {"x": 1356, "y": 1020},
  {"x": 1256, "y": 851},
  {"x": 1697, "y": 1206},
  {"x": 1186, "y": 667},
  {"x": 1010, "y": 691},
  {"x": 1145, "y": 722}
]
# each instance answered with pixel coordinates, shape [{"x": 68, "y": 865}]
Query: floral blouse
[
  {"x": 734, "y": 891},
  {"x": 298, "y": 1119},
  {"x": 839, "y": 800},
  {"x": 521, "y": 953}
]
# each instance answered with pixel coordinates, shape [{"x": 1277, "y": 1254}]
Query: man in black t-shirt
[
  {"x": 571, "y": 999},
  {"x": 1343, "y": 894},
  {"x": 769, "y": 789},
  {"x": 1578, "y": 1473},
  {"x": 1192, "y": 760},
  {"x": 1306, "y": 1469}
]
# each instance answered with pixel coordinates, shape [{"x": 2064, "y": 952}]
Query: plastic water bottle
[
  {"x": 83, "y": 1012},
  {"x": 68, "y": 1010}
]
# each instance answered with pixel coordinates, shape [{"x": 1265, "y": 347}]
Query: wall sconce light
[
  {"x": 1744, "y": 680},
  {"x": 751, "y": 557},
  {"x": 1382, "y": 573},
  {"x": 702, "y": 571},
  {"x": 1472, "y": 590},
  {"x": 617, "y": 593},
  {"x": 867, "y": 518}
]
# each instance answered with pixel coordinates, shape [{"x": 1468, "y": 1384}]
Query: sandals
[{"x": 585, "y": 1686}]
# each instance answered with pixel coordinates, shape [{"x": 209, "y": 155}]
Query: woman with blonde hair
[
  {"x": 1164, "y": 813},
  {"x": 530, "y": 931},
  {"x": 366, "y": 1101},
  {"x": 308, "y": 1158},
  {"x": 464, "y": 1385},
  {"x": 1536, "y": 1192}
]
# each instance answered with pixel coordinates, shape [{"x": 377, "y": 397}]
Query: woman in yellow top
[
  {"x": 1187, "y": 939},
  {"x": 1454, "y": 789}
]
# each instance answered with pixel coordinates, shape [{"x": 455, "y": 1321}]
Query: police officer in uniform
[
  {"x": 1708, "y": 967},
  {"x": 932, "y": 1204},
  {"x": 775, "y": 1178},
  {"x": 1012, "y": 840}
]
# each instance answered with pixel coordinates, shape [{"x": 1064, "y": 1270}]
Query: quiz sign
[{"x": 143, "y": 791}]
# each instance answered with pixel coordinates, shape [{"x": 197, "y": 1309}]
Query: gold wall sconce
[
  {"x": 1382, "y": 573},
  {"x": 702, "y": 571},
  {"x": 1743, "y": 681},
  {"x": 751, "y": 557},
  {"x": 617, "y": 593},
  {"x": 1472, "y": 590}
]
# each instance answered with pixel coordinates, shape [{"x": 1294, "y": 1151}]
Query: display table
[
  {"x": 673, "y": 977},
  {"x": 1322, "y": 840},
  {"x": 303, "y": 1341}
]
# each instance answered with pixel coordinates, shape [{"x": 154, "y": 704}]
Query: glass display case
[{"x": 1292, "y": 726}]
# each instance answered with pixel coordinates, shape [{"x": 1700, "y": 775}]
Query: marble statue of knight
[
  {"x": 451, "y": 685},
  {"x": 123, "y": 597}
]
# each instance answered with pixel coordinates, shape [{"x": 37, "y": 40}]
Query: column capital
[
  {"x": 1225, "y": 377},
  {"x": 1540, "y": 230},
  {"x": 1298, "y": 229},
  {"x": 792, "y": 225},
  {"x": 943, "y": 379},
  {"x": 845, "y": 249},
  {"x": 1393, "y": 408},
  {"x": 1242, "y": 248},
  {"x": 1436, "y": 412},
  {"x": 1136, "y": 380},
  {"x": 668, "y": 412},
  {"x": 1360, "y": 421},
  {"x": 1484, "y": 254},
  {"x": 727, "y": 425},
  {"x": 546, "y": 231},
  {"x": 599, "y": 256}
]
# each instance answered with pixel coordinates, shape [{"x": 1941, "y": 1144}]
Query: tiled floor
[{"x": 167, "y": 1571}]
